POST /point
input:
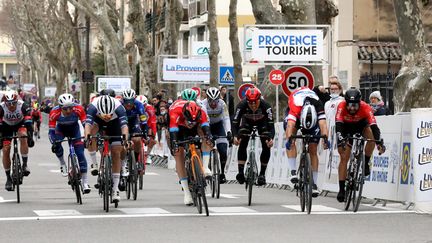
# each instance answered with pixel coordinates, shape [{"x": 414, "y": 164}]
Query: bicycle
[
  {"x": 74, "y": 175},
  {"x": 195, "y": 172},
  {"x": 305, "y": 178},
  {"x": 216, "y": 170},
  {"x": 132, "y": 179},
  {"x": 16, "y": 169},
  {"x": 36, "y": 132},
  {"x": 142, "y": 158},
  {"x": 105, "y": 181},
  {"x": 355, "y": 172}
]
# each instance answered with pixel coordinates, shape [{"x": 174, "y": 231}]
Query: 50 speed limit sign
[{"x": 296, "y": 77}]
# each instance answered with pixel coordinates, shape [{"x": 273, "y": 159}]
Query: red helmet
[
  {"x": 191, "y": 111},
  {"x": 253, "y": 94}
]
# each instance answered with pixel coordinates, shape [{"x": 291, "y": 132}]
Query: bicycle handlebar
[
  {"x": 308, "y": 136},
  {"x": 189, "y": 140},
  {"x": 67, "y": 139},
  {"x": 14, "y": 137}
]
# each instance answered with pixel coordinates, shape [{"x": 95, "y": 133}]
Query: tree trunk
[
  {"x": 235, "y": 47},
  {"x": 411, "y": 87},
  {"x": 214, "y": 43}
]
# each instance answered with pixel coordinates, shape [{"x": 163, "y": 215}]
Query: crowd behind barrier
[{"x": 403, "y": 173}]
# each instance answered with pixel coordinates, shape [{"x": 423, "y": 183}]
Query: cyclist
[
  {"x": 107, "y": 114},
  {"x": 306, "y": 112},
  {"x": 63, "y": 122},
  {"x": 37, "y": 119},
  {"x": 355, "y": 116},
  {"x": 15, "y": 116},
  {"x": 220, "y": 124},
  {"x": 253, "y": 111},
  {"x": 137, "y": 123},
  {"x": 191, "y": 95},
  {"x": 188, "y": 119},
  {"x": 109, "y": 92},
  {"x": 151, "y": 124}
]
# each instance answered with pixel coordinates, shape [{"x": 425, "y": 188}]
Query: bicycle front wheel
[
  {"x": 17, "y": 175},
  {"x": 133, "y": 176},
  {"x": 358, "y": 183},
  {"x": 349, "y": 184},
  {"x": 251, "y": 177},
  {"x": 75, "y": 178},
  {"x": 216, "y": 174},
  {"x": 107, "y": 182},
  {"x": 308, "y": 183},
  {"x": 200, "y": 187}
]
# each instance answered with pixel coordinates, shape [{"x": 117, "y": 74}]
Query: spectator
[
  {"x": 203, "y": 94},
  {"x": 229, "y": 100},
  {"x": 322, "y": 93},
  {"x": 162, "y": 120},
  {"x": 377, "y": 104},
  {"x": 3, "y": 83}
]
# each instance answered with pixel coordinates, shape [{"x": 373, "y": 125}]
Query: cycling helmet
[
  {"x": 352, "y": 95},
  {"x": 36, "y": 106},
  {"x": 189, "y": 94},
  {"x": 129, "y": 94},
  {"x": 308, "y": 116},
  {"x": 66, "y": 100},
  {"x": 213, "y": 93},
  {"x": 106, "y": 105},
  {"x": 142, "y": 99},
  {"x": 253, "y": 94},
  {"x": 191, "y": 112},
  {"x": 10, "y": 96},
  {"x": 109, "y": 92}
]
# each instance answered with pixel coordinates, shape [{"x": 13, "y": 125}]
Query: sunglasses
[
  {"x": 11, "y": 103},
  {"x": 252, "y": 102},
  {"x": 353, "y": 105},
  {"x": 65, "y": 108},
  {"x": 105, "y": 116}
]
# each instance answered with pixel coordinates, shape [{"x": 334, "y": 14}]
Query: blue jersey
[
  {"x": 119, "y": 113},
  {"x": 137, "y": 114}
]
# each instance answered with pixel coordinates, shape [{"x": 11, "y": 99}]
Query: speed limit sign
[
  {"x": 276, "y": 77},
  {"x": 296, "y": 77}
]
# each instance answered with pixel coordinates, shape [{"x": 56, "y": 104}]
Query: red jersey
[
  {"x": 296, "y": 101},
  {"x": 36, "y": 115},
  {"x": 151, "y": 122},
  {"x": 56, "y": 117},
  {"x": 364, "y": 113},
  {"x": 177, "y": 119}
]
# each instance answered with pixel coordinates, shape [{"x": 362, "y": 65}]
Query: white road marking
[
  {"x": 53, "y": 213},
  {"x": 315, "y": 208},
  {"x": 2, "y": 200},
  {"x": 229, "y": 196},
  {"x": 54, "y": 171},
  {"x": 105, "y": 216},
  {"x": 389, "y": 206},
  {"x": 48, "y": 164},
  {"x": 231, "y": 210},
  {"x": 151, "y": 173},
  {"x": 143, "y": 210}
]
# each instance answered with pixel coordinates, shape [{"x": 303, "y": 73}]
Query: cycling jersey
[
  {"x": 151, "y": 117},
  {"x": 297, "y": 100},
  {"x": 262, "y": 117},
  {"x": 94, "y": 115},
  {"x": 56, "y": 118},
  {"x": 36, "y": 115},
  {"x": 22, "y": 114},
  {"x": 177, "y": 119},
  {"x": 218, "y": 114},
  {"x": 136, "y": 114}
]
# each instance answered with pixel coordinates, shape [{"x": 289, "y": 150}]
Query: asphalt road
[{"x": 48, "y": 213}]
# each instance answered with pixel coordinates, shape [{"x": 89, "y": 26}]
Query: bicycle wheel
[
  {"x": 348, "y": 184},
  {"x": 308, "y": 183},
  {"x": 358, "y": 182},
  {"x": 142, "y": 167},
  {"x": 76, "y": 178},
  {"x": 133, "y": 176},
  {"x": 300, "y": 188},
  {"x": 217, "y": 173},
  {"x": 251, "y": 177},
  {"x": 200, "y": 187},
  {"x": 107, "y": 184},
  {"x": 16, "y": 175}
]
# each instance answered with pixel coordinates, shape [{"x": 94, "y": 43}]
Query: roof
[{"x": 380, "y": 52}]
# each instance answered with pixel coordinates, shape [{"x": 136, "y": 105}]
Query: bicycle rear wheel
[
  {"x": 358, "y": 182},
  {"x": 200, "y": 187},
  {"x": 308, "y": 183},
  {"x": 17, "y": 175}
]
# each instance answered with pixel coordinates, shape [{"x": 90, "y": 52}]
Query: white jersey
[
  {"x": 117, "y": 104},
  {"x": 330, "y": 108},
  {"x": 13, "y": 117},
  {"x": 220, "y": 113}
]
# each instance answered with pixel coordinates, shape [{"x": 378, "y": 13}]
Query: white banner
[
  {"x": 118, "y": 84},
  {"x": 421, "y": 133},
  {"x": 50, "y": 91},
  {"x": 200, "y": 48},
  {"x": 186, "y": 70},
  {"x": 28, "y": 87},
  {"x": 288, "y": 45}
]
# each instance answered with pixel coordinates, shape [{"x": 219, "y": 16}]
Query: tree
[
  {"x": 412, "y": 85},
  {"x": 235, "y": 47},
  {"x": 214, "y": 43}
]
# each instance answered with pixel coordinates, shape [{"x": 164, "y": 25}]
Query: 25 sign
[{"x": 276, "y": 77}]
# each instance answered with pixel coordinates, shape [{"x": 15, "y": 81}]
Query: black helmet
[
  {"x": 109, "y": 92},
  {"x": 353, "y": 95}
]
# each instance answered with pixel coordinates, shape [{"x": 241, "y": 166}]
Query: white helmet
[
  {"x": 213, "y": 93},
  {"x": 10, "y": 96},
  {"x": 106, "y": 105},
  {"x": 308, "y": 117},
  {"x": 142, "y": 99},
  {"x": 129, "y": 94},
  {"x": 66, "y": 100}
]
